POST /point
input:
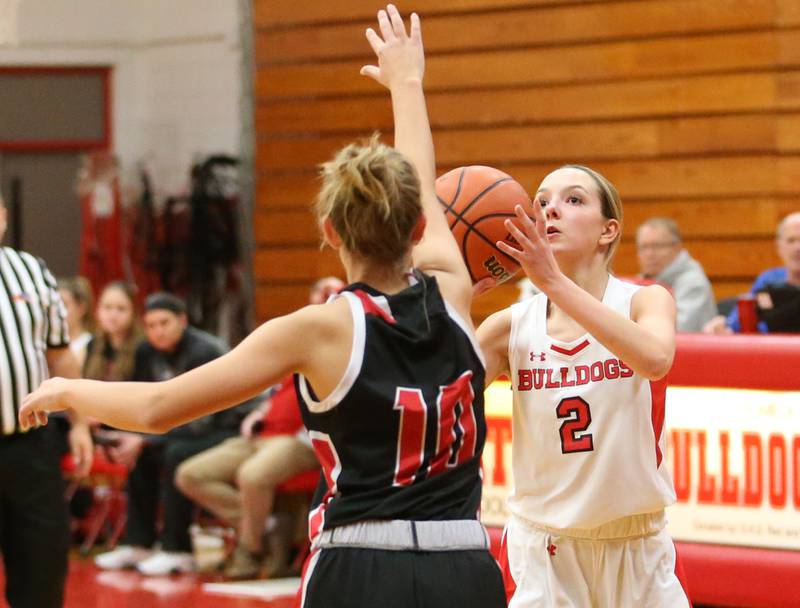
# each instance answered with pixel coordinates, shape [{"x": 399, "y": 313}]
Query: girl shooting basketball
[
  {"x": 390, "y": 378},
  {"x": 586, "y": 359}
]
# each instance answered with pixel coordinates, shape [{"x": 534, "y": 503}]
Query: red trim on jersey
[
  {"x": 373, "y": 308},
  {"x": 502, "y": 560},
  {"x": 331, "y": 467},
  {"x": 658, "y": 395},
  {"x": 571, "y": 351}
]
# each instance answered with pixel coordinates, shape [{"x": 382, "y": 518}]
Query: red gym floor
[{"x": 88, "y": 587}]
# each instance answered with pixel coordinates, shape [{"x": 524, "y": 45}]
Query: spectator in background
[
  {"x": 112, "y": 349},
  {"x": 172, "y": 347},
  {"x": 237, "y": 479},
  {"x": 76, "y": 293},
  {"x": 787, "y": 241},
  {"x": 662, "y": 258}
]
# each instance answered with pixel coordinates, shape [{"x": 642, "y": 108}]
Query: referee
[{"x": 34, "y": 525}]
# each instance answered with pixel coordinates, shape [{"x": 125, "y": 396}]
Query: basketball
[{"x": 477, "y": 200}]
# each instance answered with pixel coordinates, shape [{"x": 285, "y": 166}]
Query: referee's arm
[{"x": 62, "y": 362}]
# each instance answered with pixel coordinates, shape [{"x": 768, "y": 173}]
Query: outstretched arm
[
  {"x": 401, "y": 66},
  {"x": 265, "y": 357}
]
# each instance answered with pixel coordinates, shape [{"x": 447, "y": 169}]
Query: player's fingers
[
  {"x": 539, "y": 219},
  {"x": 374, "y": 40},
  {"x": 398, "y": 27},
  {"x": 416, "y": 29},
  {"x": 531, "y": 228},
  {"x": 518, "y": 235},
  {"x": 482, "y": 286},
  {"x": 386, "y": 26},
  {"x": 22, "y": 418},
  {"x": 30, "y": 421},
  {"x": 510, "y": 251},
  {"x": 41, "y": 418},
  {"x": 372, "y": 71}
]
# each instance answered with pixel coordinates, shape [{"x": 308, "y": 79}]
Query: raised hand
[
  {"x": 400, "y": 55},
  {"x": 536, "y": 255}
]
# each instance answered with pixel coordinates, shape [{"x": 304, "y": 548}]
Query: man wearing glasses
[{"x": 663, "y": 259}]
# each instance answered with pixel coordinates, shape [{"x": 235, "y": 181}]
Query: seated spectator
[
  {"x": 110, "y": 352},
  {"x": 171, "y": 348},
  {"x": 236, "y": 480},
  {"x": 662, "y": 258},
  {"x": 787, "y": 241},
  {"x": 76, "y": 293}
]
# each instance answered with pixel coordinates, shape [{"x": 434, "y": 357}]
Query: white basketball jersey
[{"x": 588, "y": 442}]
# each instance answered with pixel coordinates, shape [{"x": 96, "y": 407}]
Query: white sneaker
[
  {"x": 124, "y": 556},
  {"x": 163, "y": 563}
]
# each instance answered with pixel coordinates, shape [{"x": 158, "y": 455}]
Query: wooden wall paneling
[
  {"x": 275, "y": 300},
  {"x": 669, "y": 97},
  {"x": 286, "y": 190},
  {"x": 692, "y": 95},
  {"x": 267, "y": 13},
  {"x": 749, "y": 217},
  {"x": 713, "y": 218},
  {"x": 284, "y": 226},
  {"x": 691, "y": 108},
  {"x": 678, "y": 178},
  {"x": 296, "y": 264},
  {"x": 730, "y": 289},
  {"x": 729, "y": 52},
  {"x": 751, "y": 134},
  {"x": 724, "y": 258},
  {"x": 648, "y": 179},
  {"x": 788, "y": 13},
  {"x": 529, "y": 27}
]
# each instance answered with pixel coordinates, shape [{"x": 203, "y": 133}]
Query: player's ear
[
  {"x": 329, "y": 233},
  {"x": 419, "y": 229},
  {"x": 611, "y": 231}
]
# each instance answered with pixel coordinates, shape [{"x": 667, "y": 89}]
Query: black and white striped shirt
[{"x": 32, "y": 319}]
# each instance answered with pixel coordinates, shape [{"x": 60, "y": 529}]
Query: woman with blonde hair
[
  {"x": 587, "y": 358},
  {"x": 112, "y": 349},
  {"x": 388, "y": 373}
]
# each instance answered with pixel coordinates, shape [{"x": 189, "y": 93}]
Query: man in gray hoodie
[{"x": 662, "y": 258}]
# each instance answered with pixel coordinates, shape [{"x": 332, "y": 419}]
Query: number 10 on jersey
[{"x": 451, "y": 418}]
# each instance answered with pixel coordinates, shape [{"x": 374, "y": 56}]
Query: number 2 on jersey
[
  {"x": 455, "y": 432},
  {"x": 577, "y": 417}
]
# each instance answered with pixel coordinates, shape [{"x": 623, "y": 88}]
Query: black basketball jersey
[{"x": 401, "y": 436}]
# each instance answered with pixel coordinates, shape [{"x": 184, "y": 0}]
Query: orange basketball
[{"x": 477, "y": 200}]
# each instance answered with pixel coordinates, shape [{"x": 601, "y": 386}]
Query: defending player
[
  {"x": 391, "y": 383},
  {"x": 586, "y": 358}
]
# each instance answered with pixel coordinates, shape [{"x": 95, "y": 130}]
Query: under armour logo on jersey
[
  {"x": 551, "y": 549},
  {"x": 539, "y": 356}
]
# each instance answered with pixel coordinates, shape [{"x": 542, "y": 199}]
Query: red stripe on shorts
[{"x": 508, "y": 580}]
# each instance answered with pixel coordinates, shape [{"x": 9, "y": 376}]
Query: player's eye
[
  {"x": 574, "y": 200},
  {"x": 542, "y": 202}
]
